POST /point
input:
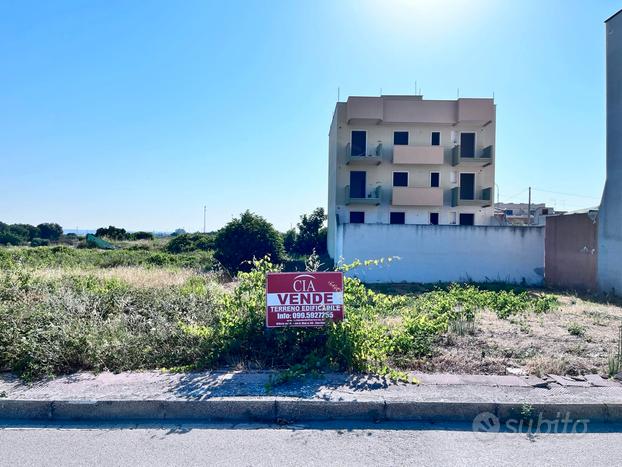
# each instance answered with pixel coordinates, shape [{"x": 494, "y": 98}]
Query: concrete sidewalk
[{"x": 250, "y": 396}]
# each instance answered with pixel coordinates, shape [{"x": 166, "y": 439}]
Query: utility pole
[
  {"x": 204, "y": 214},
  {"x": 529, "y": 209}
]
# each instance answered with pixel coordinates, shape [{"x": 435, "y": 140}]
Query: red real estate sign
[{"x": 303, "y": 299}]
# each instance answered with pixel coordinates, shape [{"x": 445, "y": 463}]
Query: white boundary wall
[{"x": 445, "y": 253}]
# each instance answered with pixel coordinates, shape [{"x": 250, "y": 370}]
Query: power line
[
  {"x": 517, "y": 194},
  {"x": 566, "y": 194}
]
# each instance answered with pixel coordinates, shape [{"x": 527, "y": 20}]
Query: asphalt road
[{"x": 312, "y": 444}]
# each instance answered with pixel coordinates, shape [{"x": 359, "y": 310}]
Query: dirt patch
[{"x": 575, "y": 339}]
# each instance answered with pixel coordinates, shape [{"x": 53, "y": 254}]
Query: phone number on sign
[{"x": 308, "y": 315}]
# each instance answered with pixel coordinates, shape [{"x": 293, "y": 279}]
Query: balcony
[
  {"x": 428, "y": 155},
  {"x": 413, "y": 196},
  {"x": 374, "y": 157},
  {"x": 482, "y": 199},
  {"x": 482, "y": 158},
  {"x": 372, "y": 199}
]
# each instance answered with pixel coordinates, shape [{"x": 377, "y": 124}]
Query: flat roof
[{"x": 612, "y": 16}]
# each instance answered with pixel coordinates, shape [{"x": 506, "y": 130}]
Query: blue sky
[{"x": 137, "y": 114}]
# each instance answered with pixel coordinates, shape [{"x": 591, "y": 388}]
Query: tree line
[
  {"x": 35, "y": 235},
  {"x": 239, "y": 241}
]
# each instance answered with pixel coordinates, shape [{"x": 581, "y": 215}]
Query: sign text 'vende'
[{"x": 303, "y": 298}]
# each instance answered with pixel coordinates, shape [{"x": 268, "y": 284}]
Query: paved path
[
  {"x": 315, "y": 444},
  {"x": 154, "y": 385}
]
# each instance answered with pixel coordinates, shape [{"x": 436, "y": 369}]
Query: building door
[
  {"x": 467, "y": 186},
  {"x": 358, "y": 145},
  {"x": 358, "y": 180},
  {"x": 467, "y": 144},
  {"x": 467, "y": 219}
]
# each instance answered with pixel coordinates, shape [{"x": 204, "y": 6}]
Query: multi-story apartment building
[{"x": 406, "y": 160}]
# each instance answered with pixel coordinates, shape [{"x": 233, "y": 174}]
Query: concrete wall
[
  {"x": 432, "y": 253},
  {"x": 570, "y": 251},
  {"x": 610, "y": 214}
]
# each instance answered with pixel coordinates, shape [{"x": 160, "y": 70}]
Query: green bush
[
  {"x": 140, "y": 235},
  {"x": 62, "y": 256},
  {"x": 82, "y": 322},
  {"x": 50, "y": 231},
  {"x": 184, "y": 243},
  {"x": 39, "y": 242},
  {"x": 250, "y": 236},
  {"x": 112, "y": 232}
]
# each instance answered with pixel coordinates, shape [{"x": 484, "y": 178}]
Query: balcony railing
[
  {"x": 430, "y": 155},
  {"x": 482, "y": 157},
  {"x": 415, "y": 196},
  {"x": 372, "y": 197},
  {"x": 373, "y": 157},
  {"x": 481, "y": 199}
]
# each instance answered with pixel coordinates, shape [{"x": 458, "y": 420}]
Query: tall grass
[
  {"x": 62, "y": 256},
  {"x": 63, "y": 320}
]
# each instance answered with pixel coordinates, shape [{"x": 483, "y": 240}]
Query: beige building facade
[{"x": 406, "y": 160}]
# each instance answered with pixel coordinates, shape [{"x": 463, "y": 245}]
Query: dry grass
[
  {"x": 534, "y": 343},
  {"x": 132, "y": 275}
]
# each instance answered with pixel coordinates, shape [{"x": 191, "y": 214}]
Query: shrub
[
  {"x": 39, "y": 242},
  {"x": 17, "y": 234},
  {"x": 140, "y": 235},
  {"x": 111, "y": 232},
  {"x": 50, "y": 231},
  {"x": 185, "y": 243},
  {"x": 250, "y": 236},
  {"x": 9, "y": 238},
  {"x": 575, "y": 329}
]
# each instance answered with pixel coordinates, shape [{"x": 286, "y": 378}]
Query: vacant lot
[
  {"x": 63, "y": 310},
  {"x": 576, "y": 338}
]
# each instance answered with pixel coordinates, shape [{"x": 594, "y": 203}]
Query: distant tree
[
  {"x": 50, "y": 231},
  {"x": 8, "y": 238},
  {"x": 39, "y": 242},
  {"x": 140, "y": 235},
  {"x": 250, "y": 236},
  {"x": 311, "y": 233},
  {"x": 289, "y": 241},
  {"x": 178, "y": 232},
  {"x": 26, "y": 231},
  {"x": 190, "y": 242},
  {"x": 112, "y": 232}
]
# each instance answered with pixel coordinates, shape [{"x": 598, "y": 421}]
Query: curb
[{"x": 294, "y": 410}]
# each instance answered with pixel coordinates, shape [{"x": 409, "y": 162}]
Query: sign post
[{"x": 303, "y": 299}]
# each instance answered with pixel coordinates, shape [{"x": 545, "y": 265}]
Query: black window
[
  {"x": 358, "y": 182},
  {"x": 359, "y": 143},
  {"x": 467, "y": 144},
  {"x": 434, "y": 218},
  {"x": 398, "y": 218},
  {"x": 509, "y": 212},
  {"x": 357, "y": 217},
  {"x": 435, "y": 179},
  {"x": 400, "y": 178},
  {"x": 436, "y": 138},
  {"x": 400, "y": 138},
  {"x": 467, "y": 219},
  {"x": 467, "y": 186}
]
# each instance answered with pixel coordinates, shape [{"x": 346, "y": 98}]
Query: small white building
[{"x": 517, "y": 213}]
